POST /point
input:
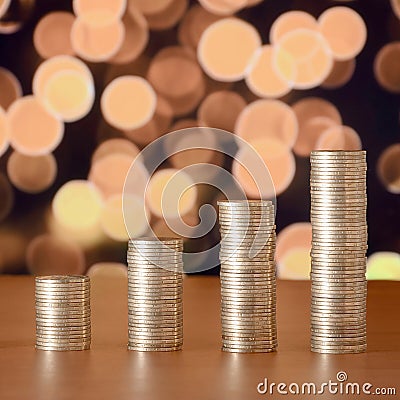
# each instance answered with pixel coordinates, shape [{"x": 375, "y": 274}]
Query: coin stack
[
  {"x": 339, "y": 244},
  {"x": 155, "y": 290},
  {"x": 248, "y": 278},
  {"x": 62, "y": 312}
]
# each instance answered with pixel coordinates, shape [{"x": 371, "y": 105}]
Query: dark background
[{"x": 367, "y": 108}]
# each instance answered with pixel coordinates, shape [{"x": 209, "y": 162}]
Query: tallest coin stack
[{"x": 339, "y": 244}]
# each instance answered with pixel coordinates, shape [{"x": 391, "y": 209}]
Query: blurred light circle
[
  {"x": 109, "y": 173},
  {"x": 220, "y": 110},
  {"x": 69, "y": 95},
  {"x": 11, "y": 89},
  {"x": 174, "y": 72},
  {"x": 33, "y": 130},
  {"x": 99, "y": 43},
  {"x": 296, "y": 264},
  {"x": 277, "y": 157},
  {"x": 156, "y": 127},
  {"x": 193, "y": 24},
  {"x": 268, "y": 119},
  {"x": 289, "y": 21},
  {"x": 136, "y": 37},
  {"x": 387, "y": 66},
  {"x": 77, "y": 205},
  {"x": 4, "y": 4},
  {"x": 183, "y": 124},
  {"x": 383, "y": 265},
  {"x": 12, "y": 249},
  {"x": 161, "y": 228},
  {"x": 251, "y": 3},
  {"x": 293, "y": 236},
  {"x": 48, "y": 255},
  {"x": 54, "y": 65},
  {"x": 4, "y": 132},
  {"x": 310, "y": 55},
  {"x": 262, "y": 78},
  {"x": 388, "y": 168},
  {"x": 152, "y": 7},
  {"x": 112, "y": 146},
  {"x": 107, "y": 271},
  {"x": 128, "y": 102},
  {"x": 183, "y": 158},
  {"x": 168, "y": 17},
  {"x": 342, "y": 72},
  {"x": 112, "y": 218},
  {"x": 395, "y": 7},
  {"x": 345, "y": 31},
  {"x": 223, "y": 7},
  {"x": 167, "y": 197},
  {"x": 339, "y": 137},
  {"x": 99, "y": 13},
  {"x": 226, "y": 48},
  {"x": 314, "y": 115},
  {"x": 52, "y": 34},
  {"x": 6, "y": 197},
  {"x": 31, "y": 174},
  {"x": 170, "y": 193}
]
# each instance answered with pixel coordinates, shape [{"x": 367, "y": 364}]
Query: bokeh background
[{"x": 289, "y": 76}]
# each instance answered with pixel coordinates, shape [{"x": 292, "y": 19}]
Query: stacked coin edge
[
  {"x": 63, "y": 314},
  {"x": 338, "y": 255},
  {"x": 248, "y": 276},
  {"x": 155, "y": 294}
]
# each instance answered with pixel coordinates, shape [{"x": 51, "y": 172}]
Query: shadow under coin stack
[
  {"x": 155, "y": 290},
  {"x": 62, "y": 312},
  {"x": 248, "y": 279},
  {"x": 339, "y": 244}
]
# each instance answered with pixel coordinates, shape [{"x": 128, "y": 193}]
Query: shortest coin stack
[
  {"x": 155, "y": 290},
  {"x": 62, "y": 312},
  {"x": 248, "y": 281}
]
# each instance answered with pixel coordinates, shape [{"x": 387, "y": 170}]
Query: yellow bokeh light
[
  {"x": 170, "y": 193},
  {"x": 69, "y": 95},
  {"x": 112, "y": 217},
  {"x": 383, "y": 265},
  {"x": 296, "y": 264},
  {"x": 49, "y": 68},
  {"x": 77, "y": 205}
]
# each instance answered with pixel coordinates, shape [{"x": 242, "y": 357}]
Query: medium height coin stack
[
  {"x": 62, "y": 312},
  {"x": 248, "y": 280},
  {"x": 339, "y": 244},
  {"x": 155, "y": 290}
]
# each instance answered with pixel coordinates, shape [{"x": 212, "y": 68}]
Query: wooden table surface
[{"x": 201, "y": 370}]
